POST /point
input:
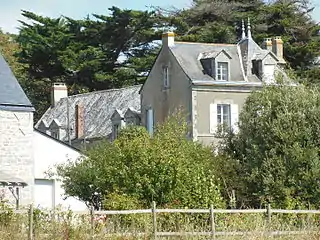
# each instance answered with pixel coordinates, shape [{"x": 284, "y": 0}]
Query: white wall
[{"x": 47, "y": 153}]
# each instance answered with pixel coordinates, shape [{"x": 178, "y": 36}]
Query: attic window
[{"x": 222, "y": 71}]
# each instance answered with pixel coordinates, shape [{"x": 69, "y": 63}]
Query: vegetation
[
  {"x": 273, "y": 158},
  {"x": 68, "y": 225},
  {"x": 275, "y": 155},
  {"x": 136, "y": 169}
]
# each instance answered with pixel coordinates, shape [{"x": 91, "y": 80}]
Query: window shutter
[
  {"x": 213, "y": 118},
  {"x": 235, "y": 117}
]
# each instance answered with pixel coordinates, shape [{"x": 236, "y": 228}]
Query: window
[
  {"x": 224, "y": 116},
  {"x": 149, "y": 121},
  {"x": 222, "y": 71},
  {"x": 55, "y": 134},
  {"x": 166, "y": 77},
  {"x": 115, "y": 131}
]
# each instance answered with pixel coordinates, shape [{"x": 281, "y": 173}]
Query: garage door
[{"x": 44, "y": 193}]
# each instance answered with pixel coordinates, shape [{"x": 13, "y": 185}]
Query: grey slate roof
[
  {"x": 12, "y": 97},
  {"x": 187, "y": 55},
  {"x": 242, "y": 54},
  {"x": 98, "y": 109}
]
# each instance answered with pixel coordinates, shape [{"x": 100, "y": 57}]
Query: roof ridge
[
  {"x": 212, "y": 44},
  {"x": 102, "y": 91}
]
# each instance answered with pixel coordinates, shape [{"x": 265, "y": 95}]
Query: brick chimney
[
  {"x": 267, "y": 44},
  {"x": 168, "y": 39},
  {"x": 277, "y": 47},
  {"x": 79, "y": 117},
  {"x": 58, "y": 91}
]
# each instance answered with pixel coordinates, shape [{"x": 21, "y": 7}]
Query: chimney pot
[
  {"x": 168, "y": 39},
  {"x": 58, "y": 91},
  {"x": 277, "y": 47},
  {"x": 267, "y": 44}
]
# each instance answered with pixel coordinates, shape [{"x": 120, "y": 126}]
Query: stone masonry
[{"x": 16, "y": 151}]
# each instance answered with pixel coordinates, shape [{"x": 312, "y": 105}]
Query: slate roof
[
  {"x": 98, "y": 109},
  {"x": 12, "y": 97},
  {"x": 188, "y": 56}
]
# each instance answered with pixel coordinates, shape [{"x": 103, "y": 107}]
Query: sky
[{"x": 10, "y": 11}]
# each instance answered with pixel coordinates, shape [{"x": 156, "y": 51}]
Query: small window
[
  {"x": 222, "y": 71},
  {"x": 55, "y": 134},
  {"x": 115, "y": 131},
  {"x": 166, "y": 77},
  {"x": 224, "y": 116}
]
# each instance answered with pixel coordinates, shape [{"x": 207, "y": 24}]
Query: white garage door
[{"x": 44, "y": 193}]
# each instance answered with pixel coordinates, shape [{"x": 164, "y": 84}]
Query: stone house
[
  {"x": 27, "y": 154},
  {"x": 210, "y": 82},
  {"x": 16, "y": 133}
]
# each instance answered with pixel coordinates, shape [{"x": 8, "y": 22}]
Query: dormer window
[
  {"x": 222, "y": 71},
  {"x": 166, "y": 82},
  {"x": 55, "y": 134},
  {"x": 216, "y": 64}
]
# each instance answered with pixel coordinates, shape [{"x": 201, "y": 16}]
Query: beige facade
[
  {"x": 209, "y": 81},
  {"x": 205, "y": 100},
  {"x": 161, "y": 99}
]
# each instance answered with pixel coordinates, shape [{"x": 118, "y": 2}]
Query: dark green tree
[{"x": 275, "y": 155}]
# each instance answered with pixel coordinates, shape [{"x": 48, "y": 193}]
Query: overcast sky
[{"x": 10, "y": 9}]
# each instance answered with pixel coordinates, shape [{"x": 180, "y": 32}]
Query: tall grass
[{"x": 66, "y": 225}]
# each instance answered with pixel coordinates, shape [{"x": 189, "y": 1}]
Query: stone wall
[{"x": 16, "y": 151}]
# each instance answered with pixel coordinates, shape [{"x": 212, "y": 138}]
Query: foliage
[
  {"x": 275, "y": 155},
  {"x": 85, "y": 53},
  {"x": 166, "y": 168}
]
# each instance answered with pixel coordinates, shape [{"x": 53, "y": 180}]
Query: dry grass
[{"x": 68, "y": 226}]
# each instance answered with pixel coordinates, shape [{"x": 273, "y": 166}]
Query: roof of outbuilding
[
  {"x": 12, "y": 96},
  {"x": 98, "y": 109},
  {"x": 11, "y": 181}
]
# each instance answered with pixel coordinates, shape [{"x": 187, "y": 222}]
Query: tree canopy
[
  {"x": 275, "y": 155},
  {"x": 166, "y": 168}
]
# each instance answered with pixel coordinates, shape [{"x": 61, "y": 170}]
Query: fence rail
[{"x": 154, "y": 212}]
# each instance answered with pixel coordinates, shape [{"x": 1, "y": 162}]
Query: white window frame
[
  {"x": 222, "y": 111},
  {"x": 166, "y": 80},
  {"x": 220, "y": 69},
  {"x": 234, "y": 114}
]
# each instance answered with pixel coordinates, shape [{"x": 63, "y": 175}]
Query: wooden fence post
[
  {"x": 92, "y": 222},
  {"x": 154, "y": 220},
  {"x": 212, "y": 223},
  {"x": 30, "y": 230},
  {"x": 269, "y": 213}
]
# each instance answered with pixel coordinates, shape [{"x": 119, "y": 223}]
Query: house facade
[
  {"x": 27, "y": 155},
  {"x": 209, "y": 82},
  {"x": 16, "y": 133}
]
